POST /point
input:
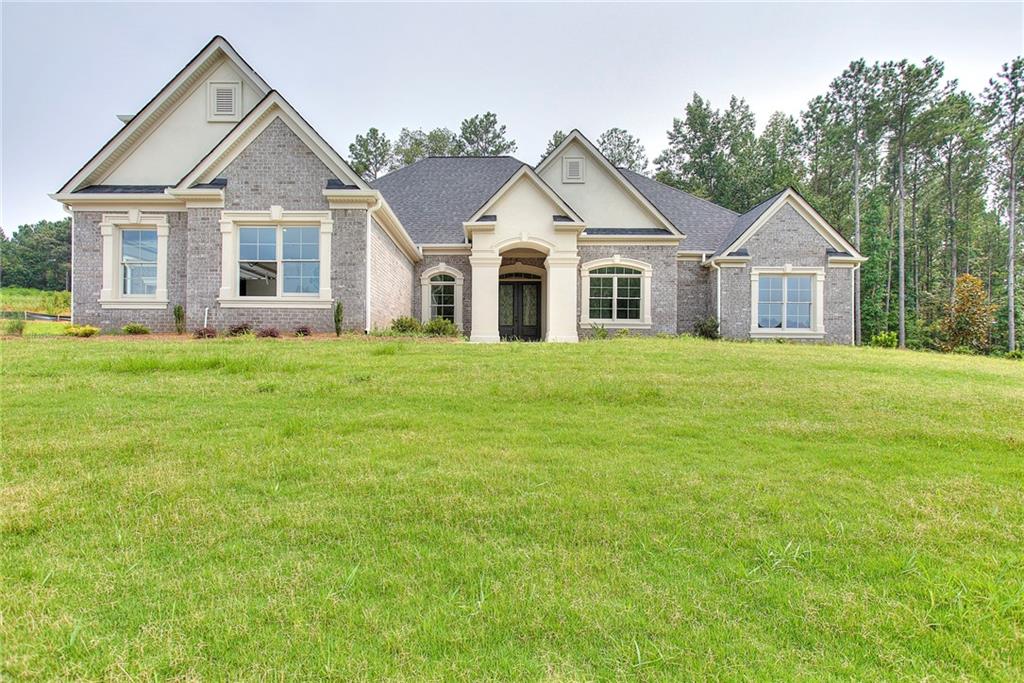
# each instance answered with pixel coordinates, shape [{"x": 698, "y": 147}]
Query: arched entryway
[{"x": 521, "y": 295}]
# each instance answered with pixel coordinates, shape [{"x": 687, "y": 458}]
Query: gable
[
  {"x": 787, "y": 237},
  {"x": 184, "y": 135},
  {"x": 604, "y": 199},
  {"x": 524, "y": 203},
  {"x": 172, "y": 130}
]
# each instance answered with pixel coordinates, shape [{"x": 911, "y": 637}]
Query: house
[{"x": 219, "y": 197}]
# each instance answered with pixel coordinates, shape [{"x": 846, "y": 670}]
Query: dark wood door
[{"x": 519, "y": 310}]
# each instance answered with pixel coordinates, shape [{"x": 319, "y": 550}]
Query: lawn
[
  {"x": 653, "y": 509},
  {"x": 35, "y": 300}
]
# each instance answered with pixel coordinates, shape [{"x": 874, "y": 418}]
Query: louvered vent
[
  {"x": 572, "y": 170},
  {"x": 223, "y": 101}
]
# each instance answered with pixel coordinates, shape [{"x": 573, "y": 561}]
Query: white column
[
  {"x": 326, "y": 229},
  {"x": 819, "y": 302},
  {"x": 561, "y": 298},
  {"x": 162, "y": 231},
  {"x": 109, "y": 261},
  {"x": 227, "y": 259},
  {"x": 485, "y": 298}
]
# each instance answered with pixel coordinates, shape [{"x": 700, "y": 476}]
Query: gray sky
[{"x": 69, "y": 69}]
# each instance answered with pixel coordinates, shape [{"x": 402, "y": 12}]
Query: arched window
[
  {"x": 441, "y": 294},
  {"x": 617, "y": 293},
  {"x": 442, "y": 297}
]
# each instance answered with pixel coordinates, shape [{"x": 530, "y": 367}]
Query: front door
[{"x": 519, "y": 310}]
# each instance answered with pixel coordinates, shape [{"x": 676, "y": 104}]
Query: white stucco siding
[
  {"x": 601, "y": 199},
  {"x": 183, "y": 137}
]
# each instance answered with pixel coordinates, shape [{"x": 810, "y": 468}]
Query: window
[
  {"x": 138, "y": 262},
  {"x": 572, "y": 169},
  {"x": 275, "y": 261},
  {"x": 615, "y": 293},
  {"x": 442, "y": 297},
  {"x": 784, "y": 302},
  {"x": 222, "y": 101}
]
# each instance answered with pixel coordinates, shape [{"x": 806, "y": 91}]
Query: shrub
[
  {"x": 406, "y": 325},
  {"x": 600, "y": 332},
  {"x": 265, "y": 332},
  {"x": 970, "y": 317},
  {"x": 204, "y": 333},
  {"x": 339, "y": 314},
  {"x": 441, "y": 327},
  {"x": 81, "y": 330},
  {"x": 179, "y": 319},
  {"x": 14, "y": 326},
  {"x": 239, "y": 330},
  {"x": 707, "y": 328},
  {"x": 964, "y": 350},
  {"x": 56, "y": 303},
  {"x": 622, "y": 332},
  {"x": 303, "y": 331},
  {"x": 135, "y": 328},
  {"x": 1015, "y": 355},
  {"x": 885, "y": 340}
]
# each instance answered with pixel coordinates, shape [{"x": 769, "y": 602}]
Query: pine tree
[{"x": 623, "y": 150}]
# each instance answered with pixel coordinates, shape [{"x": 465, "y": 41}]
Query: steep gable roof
[
  {"x": 136, "y": 129},
  {"x": 526, "y": 172},
  {"x": 272, "y": 107},
  {"x": 434, "y": 196},
  {"x": 704, "y": 223},
  {"x": 576, "y": 136}
]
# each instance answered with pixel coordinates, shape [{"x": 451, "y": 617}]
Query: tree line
[{"x": 921, "y": 175}]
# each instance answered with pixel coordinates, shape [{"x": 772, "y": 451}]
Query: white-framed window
[
  {"x": 276, "y": 259},
  {"x": 138, "y": 261},
  {"x": 222, "y": 101},
  {"x": 787, "y": 301},
  {"x": 574, "y": 170},
  {"x": 441, "y": 294},
  {"x": 134, "y": 254},
  {"x": 616, "y": 292}
]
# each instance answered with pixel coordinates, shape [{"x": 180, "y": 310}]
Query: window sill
[
  {"x": 136, "y": 305},
  {"x": 290, "y": 302},
  {"x": 759, "y": 333},
  {"x": 615, "y": 324}
]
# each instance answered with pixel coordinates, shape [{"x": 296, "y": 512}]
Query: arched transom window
[
  {"x": 616, "y": 293},
  {"x": 441, "y": 294},
  {"x": 442, "y": 297}
]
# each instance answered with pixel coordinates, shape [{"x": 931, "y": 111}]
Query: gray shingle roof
[
  {"x": 745, "y": 221},
  {"x": 704, "y": 223},
  {"x": 434, "y": 196}
]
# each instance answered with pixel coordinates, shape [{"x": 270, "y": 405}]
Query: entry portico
[{"x": 525, "y": 217}]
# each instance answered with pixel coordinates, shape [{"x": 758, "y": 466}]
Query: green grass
[
  {"x": 35, "y": 300},
  {"x": 653, "y": 509}
]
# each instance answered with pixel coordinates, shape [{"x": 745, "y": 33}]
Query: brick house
[{"x": 219, "y": 197}]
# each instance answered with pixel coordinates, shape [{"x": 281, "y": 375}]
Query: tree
[
  {"x": 778, "y": 156},
  {"x": 1004, "y": 100},
  {"x": 370, "y": 154},
  {"x": 37, "y": 256},
  {"x": 741, "y": 185},
  {"x": 482, "y": 136},
  {"x": 556, "y": 139},
  {"x": 415, "y": 144},
  {"x": 907, "y": 91},
  {"x": 694, "y": 161},
  {"x": 969, "y": 320},
  {"x": 623, "y": 150}
]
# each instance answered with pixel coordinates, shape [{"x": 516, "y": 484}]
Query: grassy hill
[{"x": 628, "y": 508}]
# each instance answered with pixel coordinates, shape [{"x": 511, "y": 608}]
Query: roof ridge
[{"x": 676, "y": 189}]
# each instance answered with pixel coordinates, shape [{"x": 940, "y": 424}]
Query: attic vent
[
  {"x": 572, "y": 169},
  {"x": 222, "y": 101}
]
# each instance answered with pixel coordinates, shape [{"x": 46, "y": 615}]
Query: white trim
[
  {"x": 646, "y": 275},
  {"x": 576, "y": 135},
  {"x": 381, "y": 211},
  {"x": 447, "y": 249},
  {"x": 135, "y": 130},
  {"x": 817, "y": 328},
  {"x": 235, "y": 88},
  {"x": 111, "y": 225},
  {"x": 270, "y": 108},
  {"x": 619, "y": 240},
  {"x": 425, "y": 284},
  {"x": 577, "y": 223},
  {"x": 230, "y": 221}
]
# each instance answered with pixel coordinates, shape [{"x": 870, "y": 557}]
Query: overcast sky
[{"x": 69, "y": 69}]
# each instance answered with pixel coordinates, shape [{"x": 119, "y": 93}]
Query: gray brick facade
[
  {"x": 459, "y": 263},
  {"x": 664, "y": 281},
  {"x": 787, "y": 239},
  {"x": 391, "y": 285},
  {"x": 694, "y": 299}
]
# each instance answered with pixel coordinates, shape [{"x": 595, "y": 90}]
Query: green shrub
[
  {"x": 339, "y": 314},
  {"x": 81, "y": 330},
  {"x": 964, "y": 350},
  {"x": 204, "y": 333},
  {"x": 441, "y": 327},
  {"x": 969, "y": 319},
  {"x": 707, "y": 328},
  {"x": 265, "y": 332},
  {"x": 179, "y": 319},
  {"x": 239, "y": 330},
  {"x": 1015, "y": 355},
  {"x": 406, "y": 325},
  {"x": 622, "y": 332},
  {"x": 14, "y": 326},
  {"x": 56, "y": 303},
  {"x": 885, "y": 340},
  {"x": 135, "y": 328},
  {"x": 600, "y": 332},
  {"x": 303, "y": 331}
]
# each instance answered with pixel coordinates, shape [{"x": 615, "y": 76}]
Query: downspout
[
  {"x": 369, "y": 222},
  {"x": 718, "y": 292}
]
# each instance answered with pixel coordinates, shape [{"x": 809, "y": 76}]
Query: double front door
[{"x": 519, "y": 310}]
